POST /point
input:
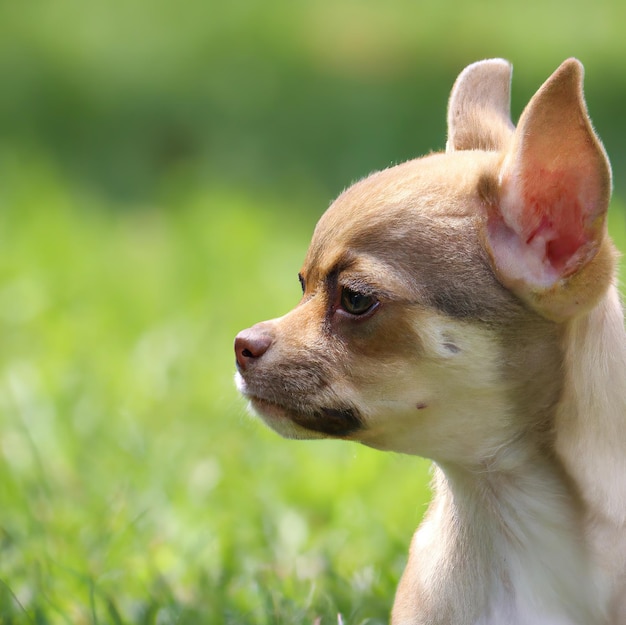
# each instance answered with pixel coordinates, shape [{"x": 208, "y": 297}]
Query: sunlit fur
[{"x": 497, "y": 349}]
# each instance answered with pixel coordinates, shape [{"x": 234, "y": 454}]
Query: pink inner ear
[
  {"x": 553, "y": 212},
  {"x": 557, "y": 216}
]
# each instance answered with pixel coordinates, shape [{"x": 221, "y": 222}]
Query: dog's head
[{"x": 435, "y": 292}]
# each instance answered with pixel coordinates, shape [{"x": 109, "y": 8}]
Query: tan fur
[
  {"x": 489, "y": 339},
  {"x": 591, "y": 433},
  {"x": 479, "y": 115}
]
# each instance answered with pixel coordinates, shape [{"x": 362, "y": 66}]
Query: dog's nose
[{"x": 251, "y": 344}]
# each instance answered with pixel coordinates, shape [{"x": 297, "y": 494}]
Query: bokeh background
[{"x": 162, "y": 166}]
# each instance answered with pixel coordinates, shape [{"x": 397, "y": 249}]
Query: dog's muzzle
[{"x": 250, "y": 346}]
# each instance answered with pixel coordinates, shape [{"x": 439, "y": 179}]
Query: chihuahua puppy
[{"x": 462, "y": 306}]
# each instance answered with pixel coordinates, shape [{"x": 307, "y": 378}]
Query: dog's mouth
[{"x": 334, "y": 422}]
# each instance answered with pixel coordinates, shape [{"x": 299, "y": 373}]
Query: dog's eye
[{"x": 357, "y": 303}]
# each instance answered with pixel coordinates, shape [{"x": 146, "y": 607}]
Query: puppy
[{"x": 462, "y": 306}]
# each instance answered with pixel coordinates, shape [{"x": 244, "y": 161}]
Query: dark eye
[
  {"x": 357, "y": 303},
  {"x": 301, "y": 282}
]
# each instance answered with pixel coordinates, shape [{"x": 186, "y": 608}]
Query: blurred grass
[
  {"x": 278, "y": 94},
  {"x": 161, "y": 169}
]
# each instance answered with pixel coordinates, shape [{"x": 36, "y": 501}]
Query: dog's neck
[
  {"x": 591, "y": 430},
  {"x": 521, "y": 529},
  {"x": 591, "y": 418}
]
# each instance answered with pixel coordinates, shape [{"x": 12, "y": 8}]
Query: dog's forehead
[
  {"x": 422, "y": 220},
  {"x": 415, "y": 199}
]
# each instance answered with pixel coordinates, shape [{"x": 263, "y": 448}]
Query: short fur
[{"x": 462, "y": 307}]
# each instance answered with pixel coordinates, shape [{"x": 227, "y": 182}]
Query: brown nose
[{"x": 251, "y": 344}]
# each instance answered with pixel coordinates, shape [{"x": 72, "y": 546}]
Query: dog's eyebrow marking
[
  {"x": 343, "y": 263},
  {"x": 362, "y": 274}
]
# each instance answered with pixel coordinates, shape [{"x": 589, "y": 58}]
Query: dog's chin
[
  {"x": 323, "y": 423},
  {"x": 281, "y": 420},
  {"x": 290, "y": 422}
]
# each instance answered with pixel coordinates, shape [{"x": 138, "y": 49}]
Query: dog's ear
[
  {"x": 546, "y": 225},
  {"x": 479, "y": 115}
]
